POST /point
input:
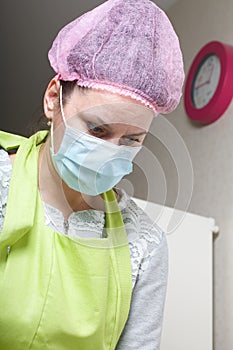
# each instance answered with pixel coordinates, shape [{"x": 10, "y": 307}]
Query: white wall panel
[{"x": 188, "y": 316}]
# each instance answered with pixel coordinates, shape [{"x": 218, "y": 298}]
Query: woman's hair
[{"x": 40, "y": 123}]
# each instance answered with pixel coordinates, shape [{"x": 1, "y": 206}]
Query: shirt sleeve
[{"x": 144, "y": 325}]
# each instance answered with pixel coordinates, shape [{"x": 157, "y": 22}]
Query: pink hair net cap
[{"x": 127, "y": 47}]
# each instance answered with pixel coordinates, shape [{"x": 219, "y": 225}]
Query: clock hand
[
  {"x": 211, "y": 73},
  {"x": 207, "y": 81},
  {"x": 199, "y": 86}
]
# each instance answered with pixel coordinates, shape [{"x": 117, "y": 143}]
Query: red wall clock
[{"x": 209, "y": 83}]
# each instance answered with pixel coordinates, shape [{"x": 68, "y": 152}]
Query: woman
[{"x": 82, "y": 267}]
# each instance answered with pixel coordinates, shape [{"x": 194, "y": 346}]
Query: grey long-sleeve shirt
[{"x": 148, "y": 252}]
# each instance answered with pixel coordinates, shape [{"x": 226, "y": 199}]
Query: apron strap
[
  {"x": 24, "y": 214},
  {"x": 10, "y": 141}
]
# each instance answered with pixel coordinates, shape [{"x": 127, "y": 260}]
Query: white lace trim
[
  {"x": 143, "y": 235},
  {"x": 5, "y": 175}
]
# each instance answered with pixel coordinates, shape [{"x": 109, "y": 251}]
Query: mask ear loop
[
  {"x": 51, "y": 137},
  {"x": 61, "y": 106}
]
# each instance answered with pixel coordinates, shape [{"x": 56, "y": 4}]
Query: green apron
[{"x": 57, "y": 292}]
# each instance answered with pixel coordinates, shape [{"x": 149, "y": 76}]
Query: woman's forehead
[{"x": 110, "y": 108}]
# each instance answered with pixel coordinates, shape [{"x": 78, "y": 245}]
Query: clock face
[{"x": 206, "y": 81}]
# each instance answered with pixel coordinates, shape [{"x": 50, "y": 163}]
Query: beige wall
[{"x": 211, "y": 149}]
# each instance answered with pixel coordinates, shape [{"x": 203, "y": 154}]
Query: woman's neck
[{"x": 56, "y": 193}]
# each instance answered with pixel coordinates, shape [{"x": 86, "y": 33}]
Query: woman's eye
[
  {"x": 130, "y": 142},
  {"x": 95, "y": 129}
]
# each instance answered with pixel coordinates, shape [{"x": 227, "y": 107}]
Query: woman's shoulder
[
  {"x": 135, "y": 216},
  {"x": 147, "y": 241}
]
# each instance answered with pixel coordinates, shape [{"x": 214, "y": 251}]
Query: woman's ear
[{"x": 51, "y": 98}]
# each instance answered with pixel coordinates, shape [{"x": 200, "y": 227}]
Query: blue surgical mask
[{"x": 88, "y": 164}]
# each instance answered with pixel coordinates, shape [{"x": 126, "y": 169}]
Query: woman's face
[{"x": 117, "y": 119}]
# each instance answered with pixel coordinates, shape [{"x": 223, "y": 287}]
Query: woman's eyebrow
[
  {"x": 138, "y": 134},
  {"x": 95, "y": 118},
  {"x": 108, "y": 126}
]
